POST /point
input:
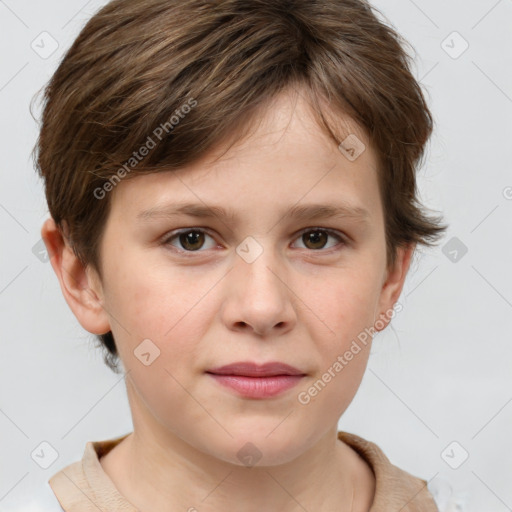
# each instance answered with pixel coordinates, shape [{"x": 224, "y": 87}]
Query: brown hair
[{"x": 136, "y": 63}]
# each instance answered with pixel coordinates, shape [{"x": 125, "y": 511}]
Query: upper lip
[{"x": 250, "y": 369}]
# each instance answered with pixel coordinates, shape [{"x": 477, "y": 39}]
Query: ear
[
  {"x": 80, "y": 285},
  {"x": 393, "y": 284}
]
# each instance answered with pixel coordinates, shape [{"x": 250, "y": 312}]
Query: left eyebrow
[
  {"x": 324, "y": 211},
  {"x": 298, "y": 212}
]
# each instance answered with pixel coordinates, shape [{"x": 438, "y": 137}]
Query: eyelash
[{"x": 175, "y": 234}]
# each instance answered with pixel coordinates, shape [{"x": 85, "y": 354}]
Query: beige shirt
[{"x": 84, "y": 486}]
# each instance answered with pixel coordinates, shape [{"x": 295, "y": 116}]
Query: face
[{"x": 261, "y": 284}]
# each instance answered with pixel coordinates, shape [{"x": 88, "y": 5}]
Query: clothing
[{"x": 84, "y": 486}]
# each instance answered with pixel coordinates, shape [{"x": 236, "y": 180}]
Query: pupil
[
  {"x": 191, "y": 238},
  {"x": 316, "y": 237}
]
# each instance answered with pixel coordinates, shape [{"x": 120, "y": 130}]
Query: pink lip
[
  {"x": 250, "y": 369},
  {"x": 257, "y": 381},
  {"x": 258, "y": 387}
]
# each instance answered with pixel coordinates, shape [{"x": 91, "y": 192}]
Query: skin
[{"x": 299, "y": 302}]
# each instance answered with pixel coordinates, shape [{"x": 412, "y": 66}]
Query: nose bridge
[
  {"x": 259, "y": 265},
  {"x": 260, "y": 297}
]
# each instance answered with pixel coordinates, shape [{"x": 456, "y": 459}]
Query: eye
[
  {"x": 191, "y": 240},
  {"x": 316, "y": 238}
]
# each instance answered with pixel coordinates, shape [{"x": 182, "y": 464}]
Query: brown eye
[
  {"x": 190, "y": 240},
  {"x": 317, "y": 239}
]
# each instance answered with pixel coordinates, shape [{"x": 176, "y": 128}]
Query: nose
[{"x": 258, "y": 298}]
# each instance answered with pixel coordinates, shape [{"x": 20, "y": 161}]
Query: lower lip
[{"x": 258, "y": 387}]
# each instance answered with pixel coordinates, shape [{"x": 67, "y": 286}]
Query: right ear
[{"x": 80, "y": 285}]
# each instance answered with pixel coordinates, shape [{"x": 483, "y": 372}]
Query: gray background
[{"x": 441, "y": 374}]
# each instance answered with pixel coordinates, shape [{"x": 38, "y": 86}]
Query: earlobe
[
  {"x": 393, "y": 285},
  {"x": 82, "y": 291}
]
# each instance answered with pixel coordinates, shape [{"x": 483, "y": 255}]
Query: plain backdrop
[{"x": 437, "y": 395}]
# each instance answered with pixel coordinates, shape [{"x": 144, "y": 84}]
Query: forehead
[
  {"x": 290, "y": 122},
  {"x": 286, "y": 159}
]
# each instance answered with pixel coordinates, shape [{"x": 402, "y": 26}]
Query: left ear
[{"x": 393, "y": 284}]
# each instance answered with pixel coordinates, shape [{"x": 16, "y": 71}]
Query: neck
[{"x": 156, "y": 470}]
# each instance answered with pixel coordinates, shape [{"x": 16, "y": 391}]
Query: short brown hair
[{"x": 137, "y": 62}]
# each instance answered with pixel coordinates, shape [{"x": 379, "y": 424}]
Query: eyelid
[
  {"x": 168, "y": 237},
  {"x": 330, "y": 231},
  {"x": 343, "y": 240}
]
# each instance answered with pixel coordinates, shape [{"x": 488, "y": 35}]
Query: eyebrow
[{"x": 298, "y": 212}]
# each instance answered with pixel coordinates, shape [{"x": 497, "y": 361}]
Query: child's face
[{"x": 302, "y": 301}]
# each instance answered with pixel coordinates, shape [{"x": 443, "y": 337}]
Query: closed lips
[{"x": 249, "y": 369}]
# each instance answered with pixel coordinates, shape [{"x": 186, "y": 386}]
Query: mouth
[
  {"x": 250, "y": 369},
  {"x": 250, "y": 380}
]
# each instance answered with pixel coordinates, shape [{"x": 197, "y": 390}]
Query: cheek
[
  {"x": 173, "y": 310},
  {"x": 150, "y": 308},
  {"x": 343, "y": 351},
  {"x": 340, "y": 327},
  {"x": 343, "y": 304},
  {"x": 156, "y": 302}
]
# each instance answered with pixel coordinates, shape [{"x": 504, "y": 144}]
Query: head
[{"x": 255, "y": 109}]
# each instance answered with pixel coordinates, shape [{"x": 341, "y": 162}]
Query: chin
[{"x": 265, "y": 447}]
